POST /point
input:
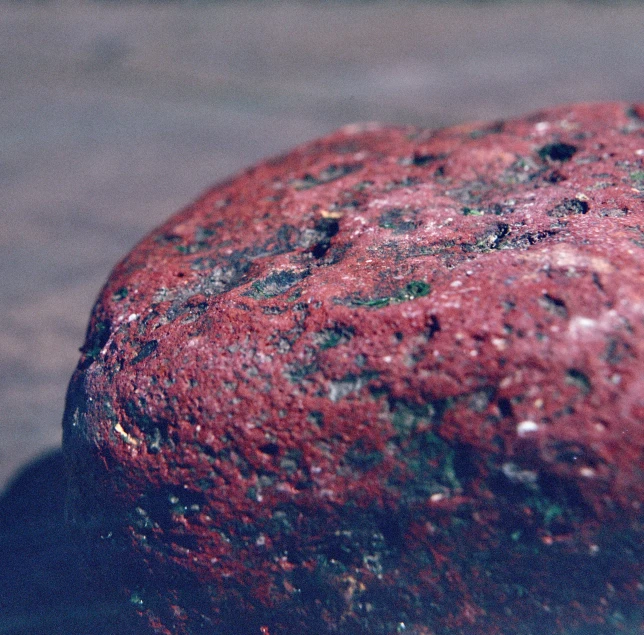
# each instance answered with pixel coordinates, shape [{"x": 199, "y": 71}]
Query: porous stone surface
[{"x": 392, "y": 381}]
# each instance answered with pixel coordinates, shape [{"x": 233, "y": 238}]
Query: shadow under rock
[{"x": 45, "y": 587}]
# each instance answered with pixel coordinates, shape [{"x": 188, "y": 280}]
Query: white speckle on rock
[
  {"x": 527, "y": 427},
  {"x": 516, "y": 475},
  {"x": 542, "y": 127},
  {"x": 581, "y": 323},
  {"x": 128, "y": 438},
  {"x": 499, "y": 343}
]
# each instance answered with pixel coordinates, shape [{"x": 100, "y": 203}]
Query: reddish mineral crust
[{"x": 392, "y": 381}]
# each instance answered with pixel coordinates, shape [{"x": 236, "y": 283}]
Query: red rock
[{"x": 390, "y": 382}]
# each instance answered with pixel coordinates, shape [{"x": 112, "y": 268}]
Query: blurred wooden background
[{"x": 114, "y": 115}]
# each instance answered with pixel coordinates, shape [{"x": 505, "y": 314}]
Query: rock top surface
[{"x": 392, "y": 381}]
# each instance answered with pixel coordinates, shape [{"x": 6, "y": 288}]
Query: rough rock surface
[{"x": 390, "y": 382}]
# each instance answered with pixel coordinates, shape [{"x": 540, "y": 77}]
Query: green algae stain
[
  {"x": 638, "y": 179},
  {"x": 399, "y": 220},
  {"x": 332, "y": 337},
  {"x": 373, "y": 303},
  {"x": 578, "y": 379},
  {"x": 547, "y": 509},
  {"x": 472, "y": 211},
  {"x": 120, "y": 294},
  {"x": 97, "y": 339},
  {"x": 411, "y": 291},
  {"x": 431, "y": 462},
  {"x": 145, "y": 351},
  {"x": 275, "y": 284},
  {"x": 407, "y": 417}
]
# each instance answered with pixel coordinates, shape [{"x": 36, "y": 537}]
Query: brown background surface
[{"x": 114, "y": 115}]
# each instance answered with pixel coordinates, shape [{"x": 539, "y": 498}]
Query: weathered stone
[{"x": 390, "y": 382}]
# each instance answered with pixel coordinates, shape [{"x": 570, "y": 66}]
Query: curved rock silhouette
[{"x": 389, "y": 382}]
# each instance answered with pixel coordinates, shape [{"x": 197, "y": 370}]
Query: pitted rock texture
[{"x": 392, "y": 381}]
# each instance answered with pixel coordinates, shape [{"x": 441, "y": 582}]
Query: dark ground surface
[{"x": 112, "y": 116}]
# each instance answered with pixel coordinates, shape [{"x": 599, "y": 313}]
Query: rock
[{"x": 392, "y": 381}]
